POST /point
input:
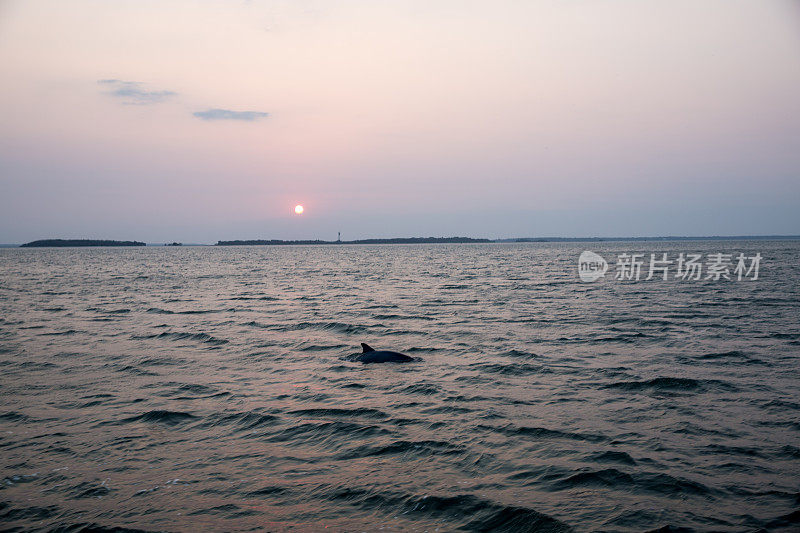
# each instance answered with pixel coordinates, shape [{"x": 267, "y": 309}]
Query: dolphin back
[{"x": 381, "y": 356}]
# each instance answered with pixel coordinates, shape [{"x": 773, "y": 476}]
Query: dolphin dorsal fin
[{"x": 366, "y": 348}]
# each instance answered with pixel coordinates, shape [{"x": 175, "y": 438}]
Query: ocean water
[{"x": 208, "y": 388}]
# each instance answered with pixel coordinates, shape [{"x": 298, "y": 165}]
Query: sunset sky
[{"x": 197, "y": 121}]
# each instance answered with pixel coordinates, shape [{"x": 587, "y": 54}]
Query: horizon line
[{"x": 484, "y": 240}]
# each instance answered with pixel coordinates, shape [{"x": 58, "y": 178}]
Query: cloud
[
  {"x": 227, "y": 114},
  {"x": 134, "y": 93}
]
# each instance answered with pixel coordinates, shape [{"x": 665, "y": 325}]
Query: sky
[{"x": 195, "y": 121}]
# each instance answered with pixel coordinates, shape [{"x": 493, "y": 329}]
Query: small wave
[
  {"x": 523, "y": 354},
  {"x": 423, "y": 448},
  {"x": 269, "y": 490},
  {"x": 627, "y": 338},
  {"x": 321, "y": 347},
  {"x": 13, "y": 416},
  {"x": 247, "y": 420},
  {"x": 469, "y": 512},
  {"x": 194, "y": 391},
  {"x": 59, "y": 333},
  {"x": 784, "y": 335},
  {"x": 9, "y": 514},
  {"x": 616, "y": 479},
  {"x": 33, "y": 365},
  {"x": 788, "y": 521},
  {"x": 89, "y": 490},
  {"x": 169, "y": 418},
  {"x": 515, "y": 519},
  {"x": 256, "y": 324},
  {"x": 511, "y": 369},
  {"x": 730, "y": 450},
  {"x": 229, "y": 510},
  {"x": 92, "y": 527},
  {"x": 174, "y": 335},
  {"x": 728, "y": 357},
  {"x": 544, "y": 433},
  {"x": 262, "y": 298},
  {"x": 793, "y": 452},
  {"x": 401, "y": 317},
  {"x": 612, "y": 457},
  {"x": 159, "y": 311},
  {"x": 339, "y": 327},
  {"x": 19, "y": 478},
  {"x": 316, "y": 432},
  {"x": 448, "y": 409},
  {"x": 197, "y": 388},
  {"x": 130, "y": 369},
  {"x": 360, "y": 412},
  {"x": 425, "y": 389},
  {"x": 670, "y": 384}
]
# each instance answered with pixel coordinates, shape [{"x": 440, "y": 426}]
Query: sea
[{"x": 215, "y": 388}]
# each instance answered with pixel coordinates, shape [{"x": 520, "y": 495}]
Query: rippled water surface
[{"x": 207, "y": 388}]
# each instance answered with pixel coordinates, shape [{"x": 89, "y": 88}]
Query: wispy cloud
[
  {"x": 227, "y": 114},
  {"x": 134, "y": 92}
]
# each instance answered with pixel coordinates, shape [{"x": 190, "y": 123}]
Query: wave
[
  {"x": 321, "y": 432},
  {"x": 169, "y": 418},
  {"x": 89, "y": 490},
  {"x": 92, "y": 527},
  {"x": 425, "y": 389},
  {"x": 405, "y": 448},
  {"x": 544, "y": 433},
  {"x": 252, "y": 420},
  {"x": 612, "y": 457},
  {"x": 262, "y": 298},
  {"x": 321, "y": 347},
  {"x": 59, "y": 333},
  {"x": 670, "y": 384},
  {"x": 13, "y": 416},
  {"x": 195, "y": 391},
  {"x": 339, "y": 327},
  {"x": 35, "y": 513},
  {"x": 511, "y": 369},
  {"x": 465, "y": 511},
  {"x": 401, "y": 317},
  {"x": 727, "y": 357},
  {"x": 159, "y": 311},
  {"x": 360, "y": 412},
  {"x": 640, "y": 481},
  {"x": 174, "y": 335}
]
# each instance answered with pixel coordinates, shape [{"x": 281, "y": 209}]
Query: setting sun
[{"x": 298, "y": 209}]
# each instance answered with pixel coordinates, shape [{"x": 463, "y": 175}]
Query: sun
[{"x": 298, "y": 209}]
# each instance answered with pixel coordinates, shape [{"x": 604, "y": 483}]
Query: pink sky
[{"x": 491, "y": 119}]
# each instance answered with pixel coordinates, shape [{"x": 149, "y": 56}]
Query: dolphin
[{"x": 381, "y": 356}]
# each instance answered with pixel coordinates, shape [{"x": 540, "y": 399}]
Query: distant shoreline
[
  {"x": 398, "y": 240},
  {"x": 73, "y": 243},
  {"x": 470, "y": 240}
]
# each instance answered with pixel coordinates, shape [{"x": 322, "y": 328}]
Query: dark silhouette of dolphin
[{"x": 381, "y": 356}]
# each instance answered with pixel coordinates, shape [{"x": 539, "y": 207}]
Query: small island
[
  {"x": 398, "y": 240},
  {"x": 63, "y": 243}
]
